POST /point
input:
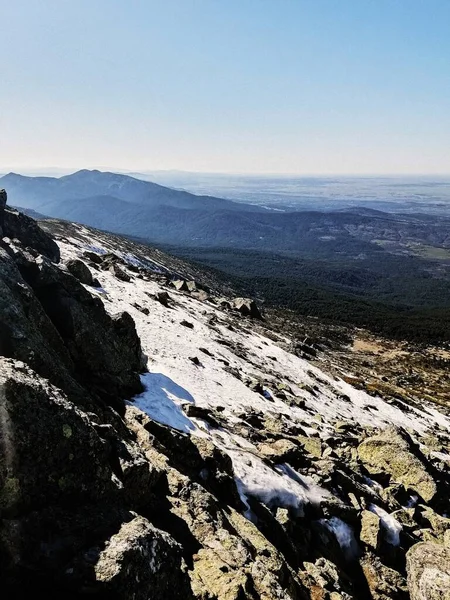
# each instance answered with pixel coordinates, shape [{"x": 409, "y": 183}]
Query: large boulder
[
  {"x": 247, "y": 307},
  {"x": 383, "y": 582},
  {"x": 106, "y": 351},
  {"x": 67, "y": 484},
  {"x": 50, "y": 321},
  {"x": 80, "y": 270},
  {"x": 27, "y": 333},
  {"x": 141, "y": 562},
  {"x": 183, "y": 285},
  {"x": 57, "y": 488},
  {"x": 428, "y": 568},
  {"x": 35, "y": 415},
  {"x": 390, "y": 453}
]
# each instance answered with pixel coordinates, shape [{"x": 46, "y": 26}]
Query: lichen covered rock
[
  {"x": 141, "y": 562},
  {"x": 389, "y": 452},
  {"x": 428, "y": 567}
]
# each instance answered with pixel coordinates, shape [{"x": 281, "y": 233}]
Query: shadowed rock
[
  {"x": 17, "y": 225},
  {"x": 142, "y": 562},
  {"x": 80, "y": 271}
]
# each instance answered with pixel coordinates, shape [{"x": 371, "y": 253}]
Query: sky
[{"x": 242, "y": 86}]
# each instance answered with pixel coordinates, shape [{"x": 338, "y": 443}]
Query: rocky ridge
[{"x": 225, "y": 466}]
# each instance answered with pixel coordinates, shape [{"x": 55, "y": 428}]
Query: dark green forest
[{"x": 395, "y": 296}]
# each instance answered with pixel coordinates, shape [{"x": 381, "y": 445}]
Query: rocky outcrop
[
  {"x": 18, "y": 226},
  {"x": 36, "y": 415},
  {"x": 64, "y": 489},
  {"x": 49, "y": 320}
]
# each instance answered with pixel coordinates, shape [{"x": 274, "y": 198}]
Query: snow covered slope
[
  {"x": 273, "y": 475},
  {"x": 232, "y": 369}
]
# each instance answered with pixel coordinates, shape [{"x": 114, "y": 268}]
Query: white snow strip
[{"x": 344, "y": 535}]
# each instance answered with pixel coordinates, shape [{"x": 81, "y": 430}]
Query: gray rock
[
  {"x": 106, "y": 351},
  {"x": 142, "y": 562},
  {"x": 428, "y": 568},
  {"x": 80, "y": 270},
  {"x": 370, "y": 529},
  {"x": 50, "y": 321},
  {"x": 389, "y": 452},
  {"x": 119, "y": 273},
  {"x": 384, "y": 583},
  {"x": 57, "y": 488},
  {"x": 247, "y": 307},
  {"x": 163, "y": 298},
  {"x": 93, "y": 257},
  {"x": 37, "y": 416},
  {"x": 183, "y": 285}
]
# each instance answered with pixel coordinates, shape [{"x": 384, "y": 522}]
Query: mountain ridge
[{"x": 35, "y": 192}]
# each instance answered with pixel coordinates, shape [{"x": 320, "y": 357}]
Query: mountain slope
[{"x": 233, "y": 468}]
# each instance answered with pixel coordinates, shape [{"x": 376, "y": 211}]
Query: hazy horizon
[{"x": 62, "y": 171}]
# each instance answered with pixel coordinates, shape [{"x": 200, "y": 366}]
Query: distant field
[{"x": 430, "y": 252}]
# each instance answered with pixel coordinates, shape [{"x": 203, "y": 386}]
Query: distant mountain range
[
  {"x": 142, "y": 209},
  {"x": 51, "y": 192}
]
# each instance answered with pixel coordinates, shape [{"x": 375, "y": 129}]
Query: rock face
[
  {"x": 58, "y": 490},
  {"x": 428, "y": 567},
  {"x": 49, "y": 320},
  {"x": 389, "y": 452},
  {"x": 36, "y": 415}
]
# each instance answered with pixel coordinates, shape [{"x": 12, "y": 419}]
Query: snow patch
[
  {"x": 344, "y": 536},
  {"x": 162, "y": 401}
]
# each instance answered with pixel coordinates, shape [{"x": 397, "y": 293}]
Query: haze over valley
[{"x": 326, "y": 252}]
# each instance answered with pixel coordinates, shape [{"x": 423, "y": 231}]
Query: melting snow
[
  {"x": 391, "y": 526},
  {"x": 162, "y": 400},
  {"x": 344, "y": 535}
]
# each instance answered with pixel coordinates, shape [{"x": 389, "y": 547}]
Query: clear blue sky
[{"x": 291, "y": 86}]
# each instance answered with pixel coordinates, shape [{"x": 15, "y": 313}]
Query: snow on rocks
[
  {"x": 392, "y": 528},
  {"x": 226, "y": 357}
]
